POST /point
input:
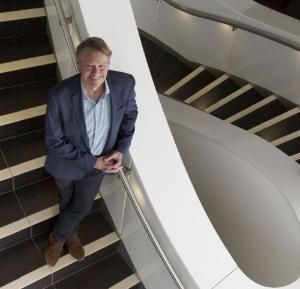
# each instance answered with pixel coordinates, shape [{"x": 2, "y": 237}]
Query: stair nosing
[
  {"x": 22, "y": 14},
  {"x": 184, "y": 80},
  {"x": 26, "y": 63},
  {"x": 206, "y": 89},
  {"x": 21, "y": 115}
]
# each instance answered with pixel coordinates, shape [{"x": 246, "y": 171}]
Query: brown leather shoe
[
  {"x": 75, "y": 248},
  {"x": 53, "y": 251}
]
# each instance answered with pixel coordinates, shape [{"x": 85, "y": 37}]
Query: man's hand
[
  {"x": 100, "y": 164},
  {"x": 111, "y": 163}
]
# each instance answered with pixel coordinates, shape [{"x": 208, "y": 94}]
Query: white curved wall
[
  {"x": 249, "y": 189},
  {"x": 254, "y": 58}
]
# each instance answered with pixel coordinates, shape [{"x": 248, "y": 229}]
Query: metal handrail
[
  {"x": 233, "y": 23},
  {"x": 126, "y": 170}
]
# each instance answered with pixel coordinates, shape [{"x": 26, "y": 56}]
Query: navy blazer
[{"x": 68, "y": 152}]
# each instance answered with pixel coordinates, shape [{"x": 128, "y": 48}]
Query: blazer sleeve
[
  {"x": 127, "y": 125},
  {"x": 58, "y": 144}
]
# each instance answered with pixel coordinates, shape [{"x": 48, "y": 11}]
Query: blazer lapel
[
  {"x": 114, "y": 104},
  {"x": 78, "y": 111}
]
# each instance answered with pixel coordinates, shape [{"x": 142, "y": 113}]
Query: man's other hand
[{"x": 111, "y": 163}]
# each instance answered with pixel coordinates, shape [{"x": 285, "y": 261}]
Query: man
[{"x": 90, "y": 122}]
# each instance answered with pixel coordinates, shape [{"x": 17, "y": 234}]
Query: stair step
[
  {"x": 23, "y": 264},
  {"x": 192, "y": 86},
  {"x": 187, "y": 78},
  {"x": 283, "y": 128},
  {"x": 22, "y": 115},
  {"x": 228, "y": 98},
  {"x": 286, "y": 138},
  {"x": 247, "y": 99},
  {"x": 214, "y": 94},
  {"x": 30, "y": 211},
  {"x": 152, "y": 52},
  {"x": 110, "y": 273},
  {"x": 24, "y": 96},
  {"x": 26, "y": 167},
  {"x": 33, "y": 144},
  {"x": 165, "y": 63},
  {"x": 12, "y": 5},
  {"x": 174, "y": 76},
  {"x": 260, "y": 115},
  {"x": 22, "y": 27},
  {"x": 291, "y": 147},
  {"x": 21, "y": 48},
  {"x": 28, "y": 75}
]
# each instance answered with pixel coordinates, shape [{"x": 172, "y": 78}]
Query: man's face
[{"x": 93, "y": 66}]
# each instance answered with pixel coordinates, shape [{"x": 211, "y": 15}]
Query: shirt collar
[{"x": 104, "y": 94}]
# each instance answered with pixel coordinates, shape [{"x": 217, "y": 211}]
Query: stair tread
[
  {"x": 30, "y": 26},
  {"x": 245, "y": 100},
  {"x": 24, "y": 96},
  {"x": 27, "y": 256},
  {"x": 194, "y": 85},
  {"x": 22, "y": 127},
  {"x": 23, "y": 47},
  {"x": 2, "y": 163},
  {"x": 283, "y": 128},
  {"x": 38, "y": 196},
  {"x": 152, "y": 52},
  {"x": 261, "y": 115},
  {"x": 27, "y": 75},
  {"x": 165, "y": 63},
  {"x": 103, "y": 275},
  {"x": 24, "y": 148},
  {"x": 13, "y": 5},
  {"x": 174, "y": 76},
  {"x": 292, "y": 147},
  {"x": 215, "y": 94},
  {"x": 18, "y": 260},
  {"x": 12, "y": 211}
]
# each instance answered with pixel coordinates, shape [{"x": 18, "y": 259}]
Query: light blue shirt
[{"x": 97, "y": 115}]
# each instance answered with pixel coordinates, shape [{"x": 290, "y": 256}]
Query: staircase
[
  {"x": 235, "y": 101},
  {"x": 28, "y": 195}
]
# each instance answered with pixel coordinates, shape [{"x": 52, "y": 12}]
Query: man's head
[{"x": 93, "y": 59}]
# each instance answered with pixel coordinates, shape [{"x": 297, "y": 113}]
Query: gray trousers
[{"x": 75, "y": 201}]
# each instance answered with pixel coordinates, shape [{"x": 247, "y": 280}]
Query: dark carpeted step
[
  {"x": 12, "y": 5},
  {"x": 179, "y": 72},
  {"x": 18, "y": 260},
  {"x": 19, "y": 150},
  {"x": 195, "y": 84},
  {"x": 152, "y": 52},
  {"x": 261, "y": 115},
  {"x": 283, "y": 128},
  {"x": 33, "y": 74},
  {"x": 23, "y": 47},
  {"x": 217, "y": 93},
  {"x": 24, "y": 96},
  {"x": 22, "y": 127},
  {"x": 292, "y": 147},
  {"x": 102, "y": 275},
  {"x": 22, "y": 27},
  {"x": 165, "y": 63},
  {"x": 240, "y": 103}
]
